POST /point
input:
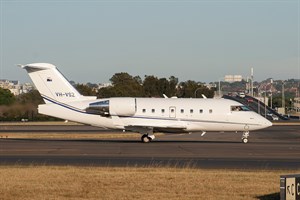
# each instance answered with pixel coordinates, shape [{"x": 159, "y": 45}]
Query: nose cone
[{"x": 266, "y": 123}]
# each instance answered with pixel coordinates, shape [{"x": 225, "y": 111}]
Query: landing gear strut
[{"x": 245, "y": 137}]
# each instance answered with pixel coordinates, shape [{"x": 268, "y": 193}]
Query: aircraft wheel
[
  {"x": 245, "y": 140},
  {"x": 146, "y": 139}
]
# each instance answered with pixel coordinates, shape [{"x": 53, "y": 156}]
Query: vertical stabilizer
[{"x": 51, "y": 84}]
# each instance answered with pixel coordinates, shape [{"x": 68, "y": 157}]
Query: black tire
[
  {"x": 245, "y": 140},
  {"x": 146, "y": 139}
]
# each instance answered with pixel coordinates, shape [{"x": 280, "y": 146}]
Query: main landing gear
[
  {"x": 146, "y": 138},
  {"x": 245, "y": 136}
]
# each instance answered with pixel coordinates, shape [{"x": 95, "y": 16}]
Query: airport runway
[{"x": 277, "y": 147}]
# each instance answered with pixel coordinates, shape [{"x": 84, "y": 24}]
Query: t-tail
[{"x": 52, "y": 85}]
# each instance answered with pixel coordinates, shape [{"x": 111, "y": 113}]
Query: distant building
[
  {"x": 15, "y": 87},
  {"x": 297, "y": 104},
  {"x": 210, "y": 85},
  {"x": 27, "y": 87},
  {"x": 103, "y": 85},
  {"x": 233, "y": 78}
]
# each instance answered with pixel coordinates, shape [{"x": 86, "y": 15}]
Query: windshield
[{"x": 239, "y": 108}]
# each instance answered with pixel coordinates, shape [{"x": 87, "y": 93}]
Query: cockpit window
[{"x": 239, "y": 108}]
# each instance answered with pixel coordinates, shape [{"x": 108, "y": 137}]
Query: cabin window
[
  {"x": 144, "y": 110},
  {"x": 235, "y": 108},
  {"x": 210, "y": 111},
  {"x": 182, "y": 110},
  {"x": 153, "y": 110},
  {"x": 191, "y": 111},
  {"x": 172, "y": 110},
  {"x": 239, "y": 108},
  {"x": 162, "y": 110},
  {"x": 200, "y": 111}
]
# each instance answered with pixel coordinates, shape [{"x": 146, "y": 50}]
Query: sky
[{"x": 90, "y": 41}]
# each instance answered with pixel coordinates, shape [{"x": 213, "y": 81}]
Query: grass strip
[{"x": 69, "y": 182}]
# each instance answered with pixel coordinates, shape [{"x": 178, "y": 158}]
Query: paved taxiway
[{"x": 277, "y": 147}]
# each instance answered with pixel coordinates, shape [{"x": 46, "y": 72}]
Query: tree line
[
  {"x": 125, "y": 85},
  {"x": 24, "y": 106}
]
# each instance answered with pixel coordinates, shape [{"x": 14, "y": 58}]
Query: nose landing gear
[{"x": 245, "y": 136}]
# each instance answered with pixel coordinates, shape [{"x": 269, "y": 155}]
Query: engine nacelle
[
  {"x": 113, "y": 106},
  {"x": 122, "y": 106}
]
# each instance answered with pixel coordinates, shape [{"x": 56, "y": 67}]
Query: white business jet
[{"x": 144, "y": 115}]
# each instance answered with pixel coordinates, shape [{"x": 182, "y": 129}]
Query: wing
[{"x": 165, "y": 128}]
